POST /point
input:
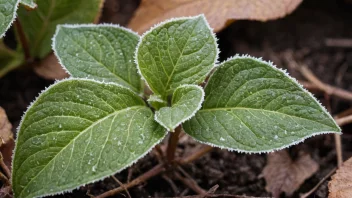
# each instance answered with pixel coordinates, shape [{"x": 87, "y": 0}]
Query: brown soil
[{"x": 302, "y": 34}]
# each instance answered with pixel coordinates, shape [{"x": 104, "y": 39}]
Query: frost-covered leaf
[
  {"x": 282, "y": 174},
  {"x": 100, "y": 52},
  {"x": 39, "y": 24},
  {"x": 176, "y": 52},
  {"x": 7, "y": 14},
  {"x": 156, "y": 102},
  {"x": 9, "y": 59},
  {"x": 79, "y": 131},
  {"x": 29, "y": 3},
  {"x": 186, "y": 101},
  {"x": 252, "y": 106},
  {"x": 340, "y": 185},
  {"x": 218, "y": 12}
]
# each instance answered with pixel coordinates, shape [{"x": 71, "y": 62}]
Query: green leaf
[
  {"x": 9, "y": 59},
  {"x": 7, "y": 14},
  {"x": 79, "y": 131},
  {"x": 186, "y": 101},
  {"x": 176, "y": 52},
  {"x": 100, "y": 52},
  {"x": 39, "y": 25},
  {"x": 29, "y": 3},
  {"x": 156, "y": 102},
  {"x": 252, "y": 106}
]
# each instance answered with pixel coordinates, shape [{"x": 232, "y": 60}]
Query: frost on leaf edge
[
  {"x": 88, "y": 25},
  {"x": 186, "y": 118},
  {"x": 237, "y": 56},
  {"x": 93, "y": 181},
  {"x": 270, "y": 63},
  {"x": 13, "y": 19},
  {"x": 216, "y": 59},
  {"x": 31, "y": 5}
]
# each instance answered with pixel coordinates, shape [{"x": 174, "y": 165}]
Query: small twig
[
  {"x": 196, "y": 155},
  {"x": 344, "y": 113},
  {"x": 23, "y": 41},
  {"x": 122, "y": 185},
  {"x": 171, "y": 147},
  {"x": 5, "y": 179},
  {"x": 338, "y": 42},
  {"x": 189, "y": 181},
  {"x": 171, "y": 183},
  {"x": 144, "y": 177},
  {"x": 217, "y": 196},
  {"x": 305, "y": 195},
  {"x": 191, "y": 184},
  {"x": 331, "y": 90},
  {"x": 344, "y": 120},
  {"x": 4, "y": 167}
]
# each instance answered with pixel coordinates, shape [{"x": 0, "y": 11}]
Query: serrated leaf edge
[
  {"x": 237, "y": 56},
  {"x": 88, "y": 25},
  {"x": 265, "y": 151},
  {"x": 187, "y": 118},
  {"x": 172, "y": 20},
  {"x": 31, "y": 5},
  {"x": 14, "y": 15},
  {"x": 93, "y": 181},
  {"x": 270, "y": 63}
]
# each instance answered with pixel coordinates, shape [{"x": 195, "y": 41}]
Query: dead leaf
[
  {"x": 7, "y": 142},
  {"x": 282, "y": 174},
  {"x": 218, "y": 12},
  {"x": 5, "y": 128},
  {"x": 340, "y": 185},
  {"x": 50, "y": 68}
]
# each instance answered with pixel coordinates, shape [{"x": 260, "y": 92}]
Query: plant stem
[
  {"x": 23, "y": 40},
  {"x": 147, "y": 175},
  {"x": 171, "y": 147},
  {"x": 198, "y": 154}
]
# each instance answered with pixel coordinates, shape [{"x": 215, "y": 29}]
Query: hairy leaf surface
[
  {"x": 100, "y": 52},
  {"x": 7, "y": 14},
  {"x": 186, "y": 101},
  {"x": 176, "y": 52},
  {"x": 79, "y": 131},
  {"x": 39, "y": 25},
  {"x": 29, "y": 3},
  {"x": 252, "y": 106}
]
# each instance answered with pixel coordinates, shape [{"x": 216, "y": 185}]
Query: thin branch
[
  {"x": 171, "y": 147},
  {"x": 339, "y": 42},
  {"x": 144, "y": 177},
  {"x": 122, "y": 185},
  {"x": 23, "y": 40},
  {"x": 305, "y": 195},
  {"x": 4, "y": 167},
  {"x": 5, "y": 179},
  {"x": 344, "y": 120},
  {"x": 191, "y": 184},
  {"x": 331, "y": 90},
  {"x": 196, "y": 155}
]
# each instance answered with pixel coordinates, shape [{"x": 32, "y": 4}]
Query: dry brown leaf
[
  {"x": 5, "y": 128},
  {"x": 50, "y": 68},
  {"x": 217, "y": 12},
  {"x": 340, "y": 185},
  {"x": 7, "y": 142},
  {"x": 282, "y": 174}
]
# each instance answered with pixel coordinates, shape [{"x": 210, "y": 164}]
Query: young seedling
[{"x": 99, "y": 121}]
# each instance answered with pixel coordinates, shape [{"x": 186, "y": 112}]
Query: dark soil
[{"x": 302, "y": 34}]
